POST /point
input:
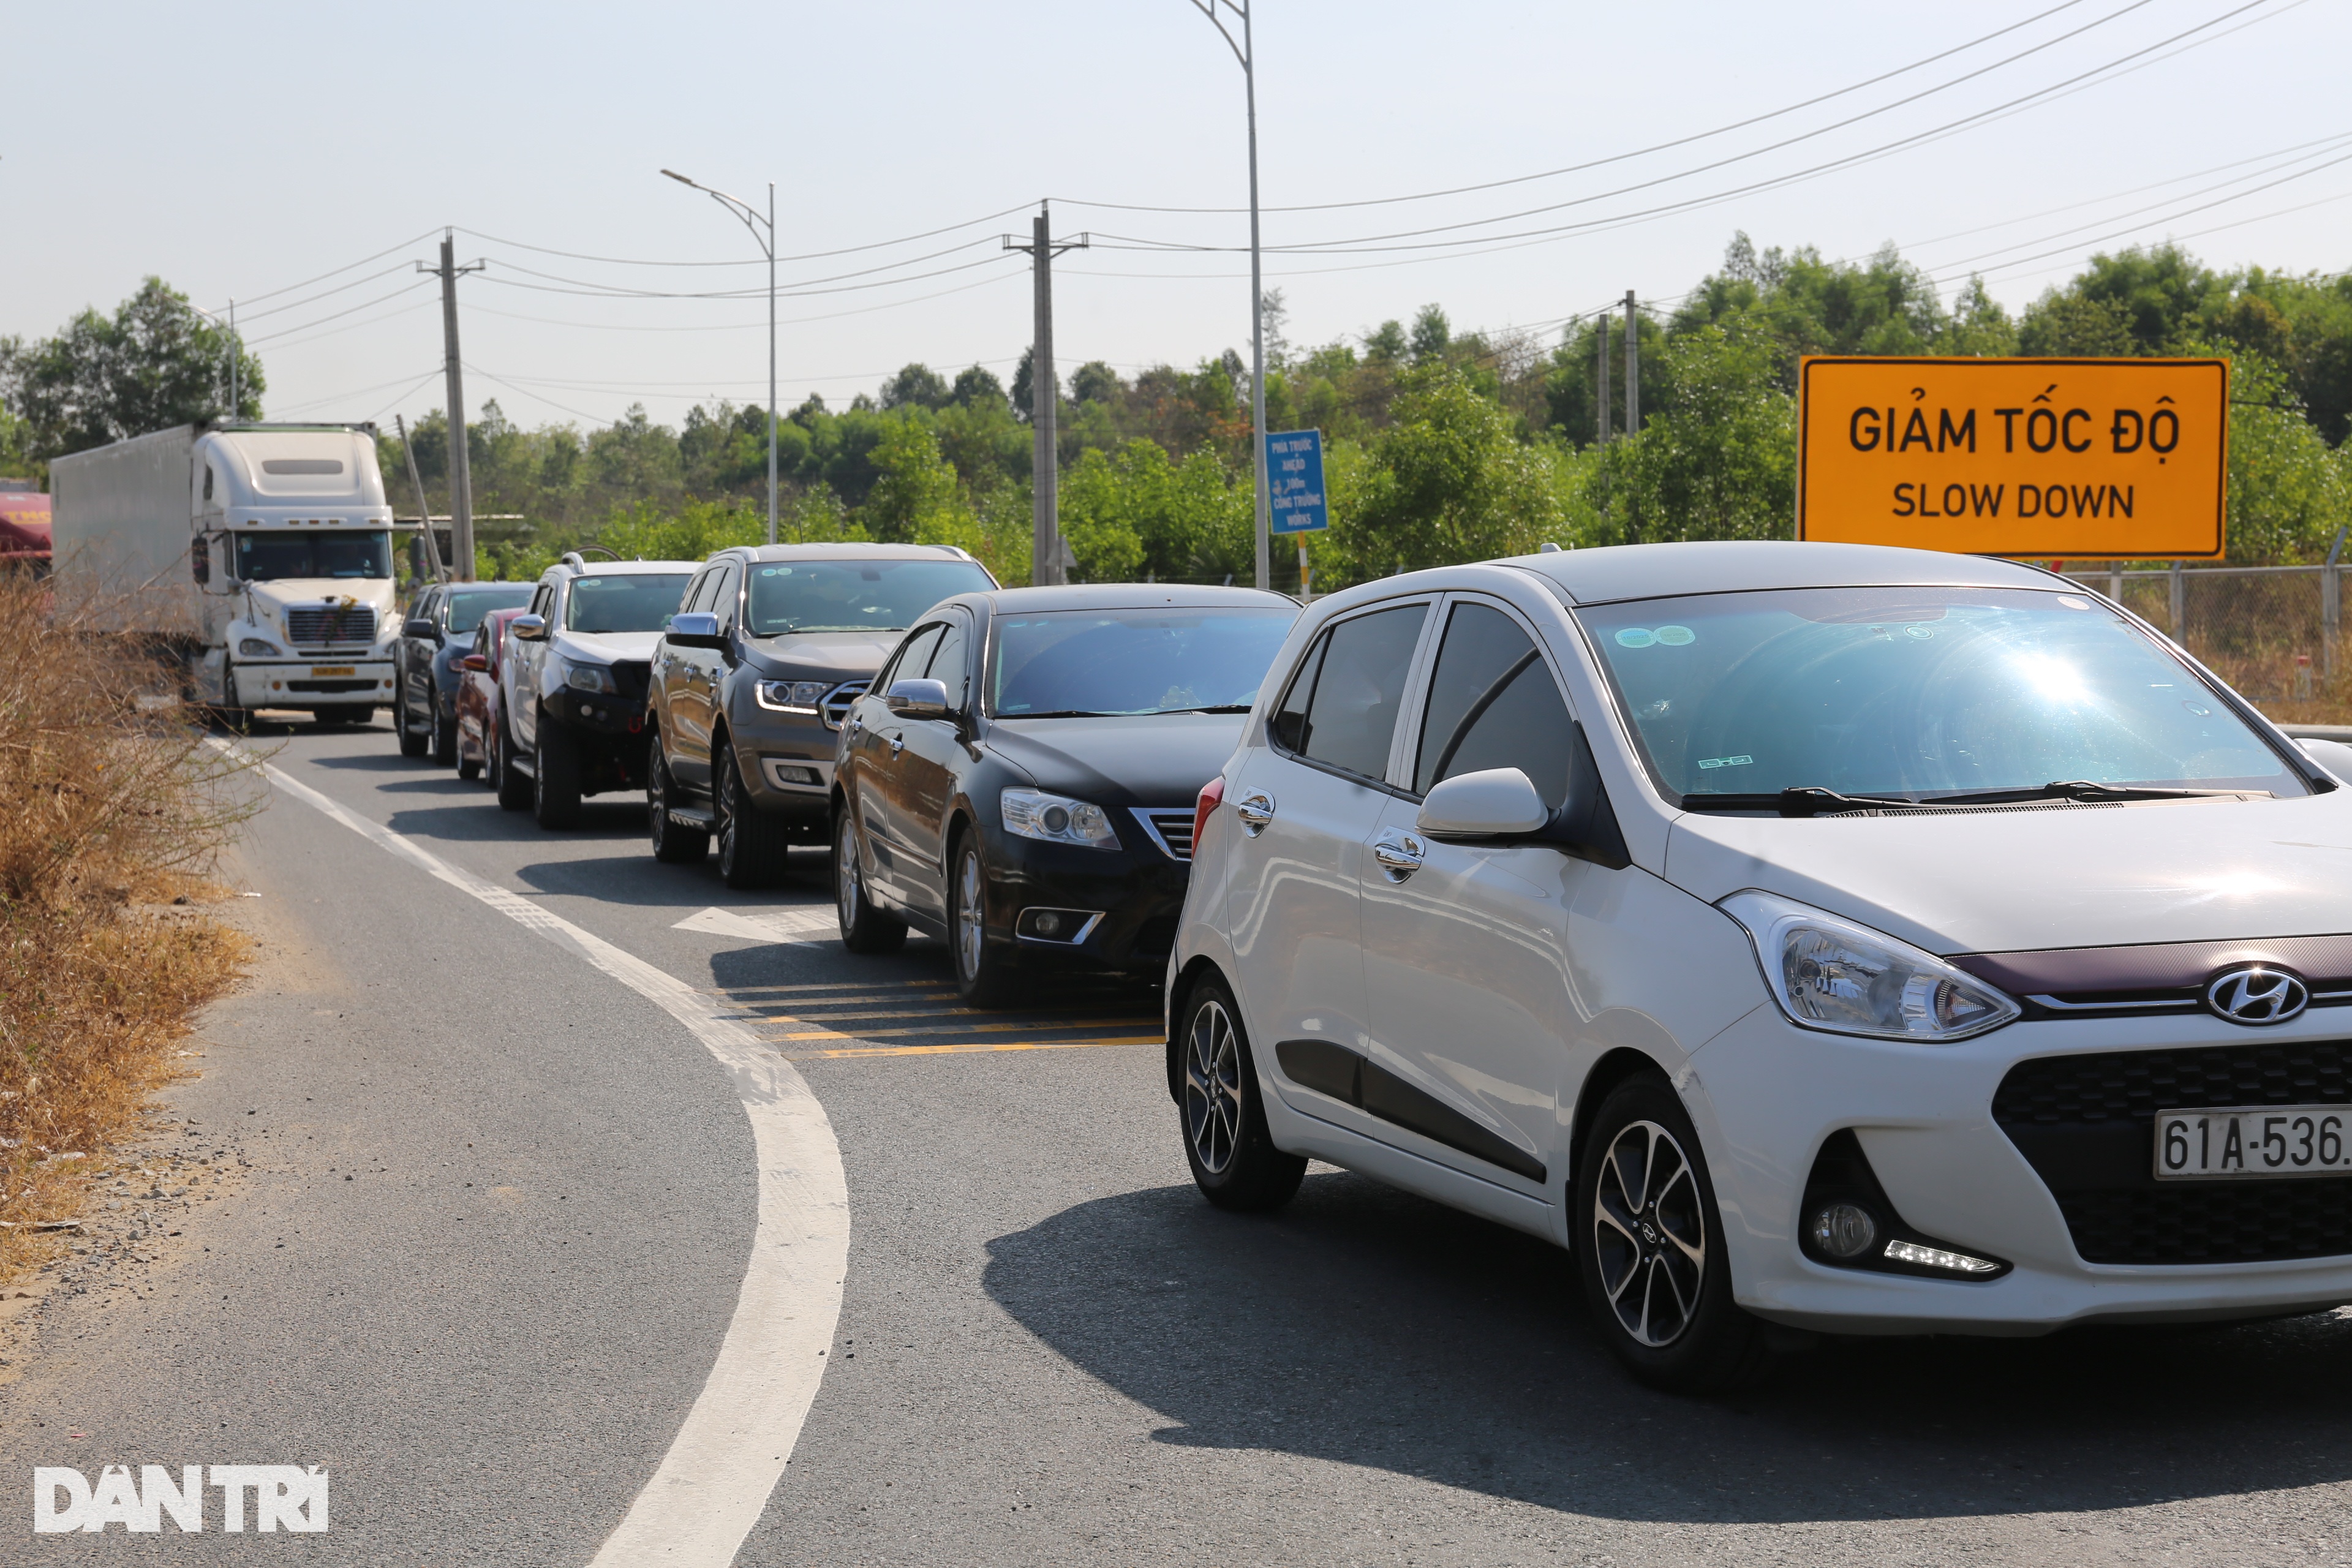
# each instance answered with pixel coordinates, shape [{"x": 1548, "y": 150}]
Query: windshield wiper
[
  {"x": 1225, "y": 708},
  {"x": 1065, "y": 713},
  {"x": 1812, "y": 800}
]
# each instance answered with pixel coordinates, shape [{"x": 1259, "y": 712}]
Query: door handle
[
  {"x": 1399, "y": 854},
  {"x": 896, "y": 741},
  {"x": 1255, "y": 809}
]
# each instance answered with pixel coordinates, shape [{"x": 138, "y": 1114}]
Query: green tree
[
  {"x": 1717, "y": 462},
  {"x": 917, "y": 384},
  {"x": 916, "y": 497},
  {"x": 155, "y": 364}
]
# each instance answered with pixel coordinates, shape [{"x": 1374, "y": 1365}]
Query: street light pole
[
  {"x": 1245, "y": 51},
  {"x": 752, "y": 221}
]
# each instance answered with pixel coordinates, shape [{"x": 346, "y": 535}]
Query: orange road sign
[{"x": 2085, "y": 458}]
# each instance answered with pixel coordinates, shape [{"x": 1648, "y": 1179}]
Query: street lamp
[
  {"x": 752, "y": 221},
  {"x": 1245, "y": 51}
]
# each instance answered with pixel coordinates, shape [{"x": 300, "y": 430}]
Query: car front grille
[
  {"x": 836, "y": 704},
  {"x": 631, "y": 677},
  {"x": 321, "y": 624},
  {"x": 1171, "y": 828},
  {"x": 2087, "y": 1123}
]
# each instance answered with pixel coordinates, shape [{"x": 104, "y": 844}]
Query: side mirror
[
  {"x": 474, "y": 662},
  {"x": 2333, "y": 757},
  {"x": 529, "y": 628},
  {"x": 917, "y": 699},
  {"x": 417, "y": 626},
  {"x": 693, "y": 628},
  {"x": 1499, "y": 803},
  {"x": 200, "y": 560}
]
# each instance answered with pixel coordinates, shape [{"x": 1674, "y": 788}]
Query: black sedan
[{"x": 1020, "y": 779}]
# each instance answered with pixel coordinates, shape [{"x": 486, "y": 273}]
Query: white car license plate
[
  {"x": 322, "y": 671},
  {"x": 2254, "y": 1141}
]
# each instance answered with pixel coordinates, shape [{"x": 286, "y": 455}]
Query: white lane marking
[
  {"x": 818, "y": 923},
  {"x": 714, "y": 1482}
]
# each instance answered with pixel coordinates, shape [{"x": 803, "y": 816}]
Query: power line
[
  {"x": 739, "y": 326},
  {"x": 785, "y": 293},
  {"x": 325, "y": 293},
  {"x": 618, "y": 291},
  {"x": 808, "y": 256},
  {"x": 1615, "y": 158},
  {"x": 322, "y": 277},
  {"x": 322, "y": 321}
]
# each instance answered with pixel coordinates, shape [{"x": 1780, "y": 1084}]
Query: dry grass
[{"x": 112, "y": 808}]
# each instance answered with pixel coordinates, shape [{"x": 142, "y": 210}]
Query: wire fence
[{"x": 2275, "y": 633}]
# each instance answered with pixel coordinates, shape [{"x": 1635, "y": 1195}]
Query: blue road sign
[{"x": 1294, "y": 479}]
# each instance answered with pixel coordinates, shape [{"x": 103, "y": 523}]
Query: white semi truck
[{"x": 260, "y": 553}]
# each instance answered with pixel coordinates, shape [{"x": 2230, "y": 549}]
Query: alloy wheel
[
  {"x": 1212, "y": 1088},
  {"x": 1649, "y": 1234},
  {"x": 844, "y": 872},
  {"x": 971, "y": 925}
]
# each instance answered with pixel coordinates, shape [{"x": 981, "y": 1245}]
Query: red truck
[{"x": 24, "y": 527}]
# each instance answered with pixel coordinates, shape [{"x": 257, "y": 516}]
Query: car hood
[
  {"x": 1150, "y": 761},
  {"x": 605, "y": 647},
  {"x": 2004, "y": 881},
  {"x": 818, "y": 656}
]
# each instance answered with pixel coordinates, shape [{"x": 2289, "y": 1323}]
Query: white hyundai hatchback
[{"x": 1825, "y": 936}]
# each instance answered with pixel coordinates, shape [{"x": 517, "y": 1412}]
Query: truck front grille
[{"x": 324, "y": 624}]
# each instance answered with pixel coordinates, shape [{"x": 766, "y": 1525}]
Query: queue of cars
[{"x": 1805, "y": 937}]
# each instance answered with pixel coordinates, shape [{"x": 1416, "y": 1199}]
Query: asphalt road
[{"x": 1048, "y": 1350}]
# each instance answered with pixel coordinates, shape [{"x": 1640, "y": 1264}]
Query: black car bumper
[{"x": 1115, "y": 908}]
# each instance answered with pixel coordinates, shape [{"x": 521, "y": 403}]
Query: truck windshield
[
  {"x": 468, "y": 605},
  {"x": 634, "y": 602},
  {"x": 1916, "y": 692},
  {"x": 794, "y": 596},
  {"x": 1067, "y": 664},
  {"x": 275, "y": 557}
]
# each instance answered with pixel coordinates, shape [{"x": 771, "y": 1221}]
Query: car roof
[
  {"x": 847, "y": 553},
  {"x": 563, "y": 572},
  {"x": 1721, "y": 566},
  {"x": 1129, "y": 596}
]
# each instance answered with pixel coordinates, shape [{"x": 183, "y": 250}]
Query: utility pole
[
  {"x": 1600, "y": 373},
  {"x": 235, "y": 402},
  {"x": 1045, "y": 457},
  {"x": 461, "y": 478},
  {"x": 1632, "y": 369}
]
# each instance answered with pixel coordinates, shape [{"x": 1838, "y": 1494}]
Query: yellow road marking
[
  {"x": 864, "y": 1000},
  {"x": 973, "y": 1046},
  {"x": 973, "y": 1028},
  {"x": 807, "y": 1016},
  {"x": 830, "y": 986}
]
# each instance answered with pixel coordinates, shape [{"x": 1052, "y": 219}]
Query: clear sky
[{"x": 241, "y": 149}]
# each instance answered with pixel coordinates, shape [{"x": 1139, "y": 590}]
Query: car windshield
[
  {"x": 794, "y": 596},
  {"x": 275, "y": 557},
  {"x": 624, "y": 602},
  {"x": 1077, "y": 663},
  {"x": 468, "y": 605},
  {"x": 1916, "y": 692}
]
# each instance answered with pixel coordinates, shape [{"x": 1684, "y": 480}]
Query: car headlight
[
  {"x": 259, "y": 647},
  {"x": 588, "y": 678},
  {"x": 1057, "y": 819},
  {"x": 789, "y": 696},
  {"x": 1831, "y": 973}
]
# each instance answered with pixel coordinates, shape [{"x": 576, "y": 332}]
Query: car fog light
[
  {"x": 1936, "y": 1257},
  {"x": 1845, "y": 1230},
  {"x": 1049, "y": 923}
]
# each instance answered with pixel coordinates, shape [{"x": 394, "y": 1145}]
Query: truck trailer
[{"x": 260, "y": 554}]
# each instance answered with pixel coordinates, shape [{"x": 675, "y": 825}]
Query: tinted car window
[
  {"x": 274, "y": 557},
  {"x": 791, "y": 596},
  {"x": 1915, "y": 691},
  {"x": 948, "y": 664},
  {"x": 1357, "y": 679},
  {"x": 468, "y": 605},
  {"x": 1493, "y": 704},
  {"x": 913, "y": 656},
  {"x": 637, "y": 601},
  {"x": 1078, "y": 662}
]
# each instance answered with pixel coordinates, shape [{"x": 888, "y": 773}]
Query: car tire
[
  {"x": 468, "y": 767},
  {"x": 985, "y": 973},
  {"x": 863, "y": 928},
  {"x": 753, "y": 845},
  {"x": 514, "y": 790},
  {"x": 1234, "y": 1160},
  {"x": 1650, "y": 1251},
  {"x": 673, "y": 844},
  {"x": 412, "y": 744},
  {"x": 445, "y": 737},
  {"x": 555, "y": 777}
]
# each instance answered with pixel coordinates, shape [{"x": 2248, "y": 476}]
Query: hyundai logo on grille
[{"x": 2253, "y": 994}]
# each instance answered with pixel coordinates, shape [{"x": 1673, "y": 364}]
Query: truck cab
[{"x": 291, "y": 558}]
